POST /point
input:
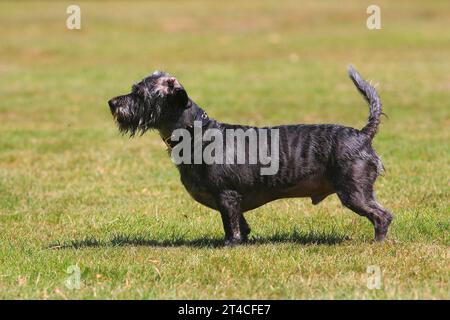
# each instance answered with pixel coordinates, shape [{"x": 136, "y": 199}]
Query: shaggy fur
[{"x": 314, "y": 160}]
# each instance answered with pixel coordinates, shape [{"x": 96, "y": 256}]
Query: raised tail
[{"x": 370, "y": 94}]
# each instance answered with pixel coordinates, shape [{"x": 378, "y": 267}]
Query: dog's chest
[{"x": 196, "y": 187}]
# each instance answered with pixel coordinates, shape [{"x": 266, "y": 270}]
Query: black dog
[{"x": 314, "y": 160}]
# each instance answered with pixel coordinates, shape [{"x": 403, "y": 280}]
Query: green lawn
[{"x": 73, "y": 191}]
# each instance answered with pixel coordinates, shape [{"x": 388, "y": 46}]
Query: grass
[{"x": 75, "y": 192}]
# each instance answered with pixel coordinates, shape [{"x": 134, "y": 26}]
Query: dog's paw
[
  {"x": 381, "y": 230},
  {"x": 233, "y": 242}
]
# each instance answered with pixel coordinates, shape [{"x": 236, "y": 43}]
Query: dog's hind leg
[
  {"x": 355, "y": 190},
  {"x": 229, "y": 203},
  {"x": 380, "y": 217}
]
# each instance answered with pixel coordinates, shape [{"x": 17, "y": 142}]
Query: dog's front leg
[{"x": 229, "y": 203}]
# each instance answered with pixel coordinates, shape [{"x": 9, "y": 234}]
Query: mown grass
[{"x": 75, "y": 192}]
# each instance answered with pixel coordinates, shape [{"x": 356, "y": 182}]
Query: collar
[{"x": 200, "y": 116}]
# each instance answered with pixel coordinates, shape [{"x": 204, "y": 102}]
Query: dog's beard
[{"x": 138, "y": 118}]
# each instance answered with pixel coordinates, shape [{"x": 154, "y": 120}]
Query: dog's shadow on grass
[{"x": 120, "y": 240}]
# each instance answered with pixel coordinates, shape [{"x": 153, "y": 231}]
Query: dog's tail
[{"x": 370, "y": 94}]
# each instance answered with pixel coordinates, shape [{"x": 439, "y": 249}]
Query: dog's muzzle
[{"x": 113, "y": 105}]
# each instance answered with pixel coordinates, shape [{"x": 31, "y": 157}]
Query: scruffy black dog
[{"x": 314, "y": 160}]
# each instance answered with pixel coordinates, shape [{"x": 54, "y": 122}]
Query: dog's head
[{"x": 151, "y": 104}]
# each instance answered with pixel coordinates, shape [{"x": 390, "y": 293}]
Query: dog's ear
[{"x": 182, "y": 99}]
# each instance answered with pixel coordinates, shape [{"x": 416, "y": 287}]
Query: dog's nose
[{"x": 112, "y": 104}]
